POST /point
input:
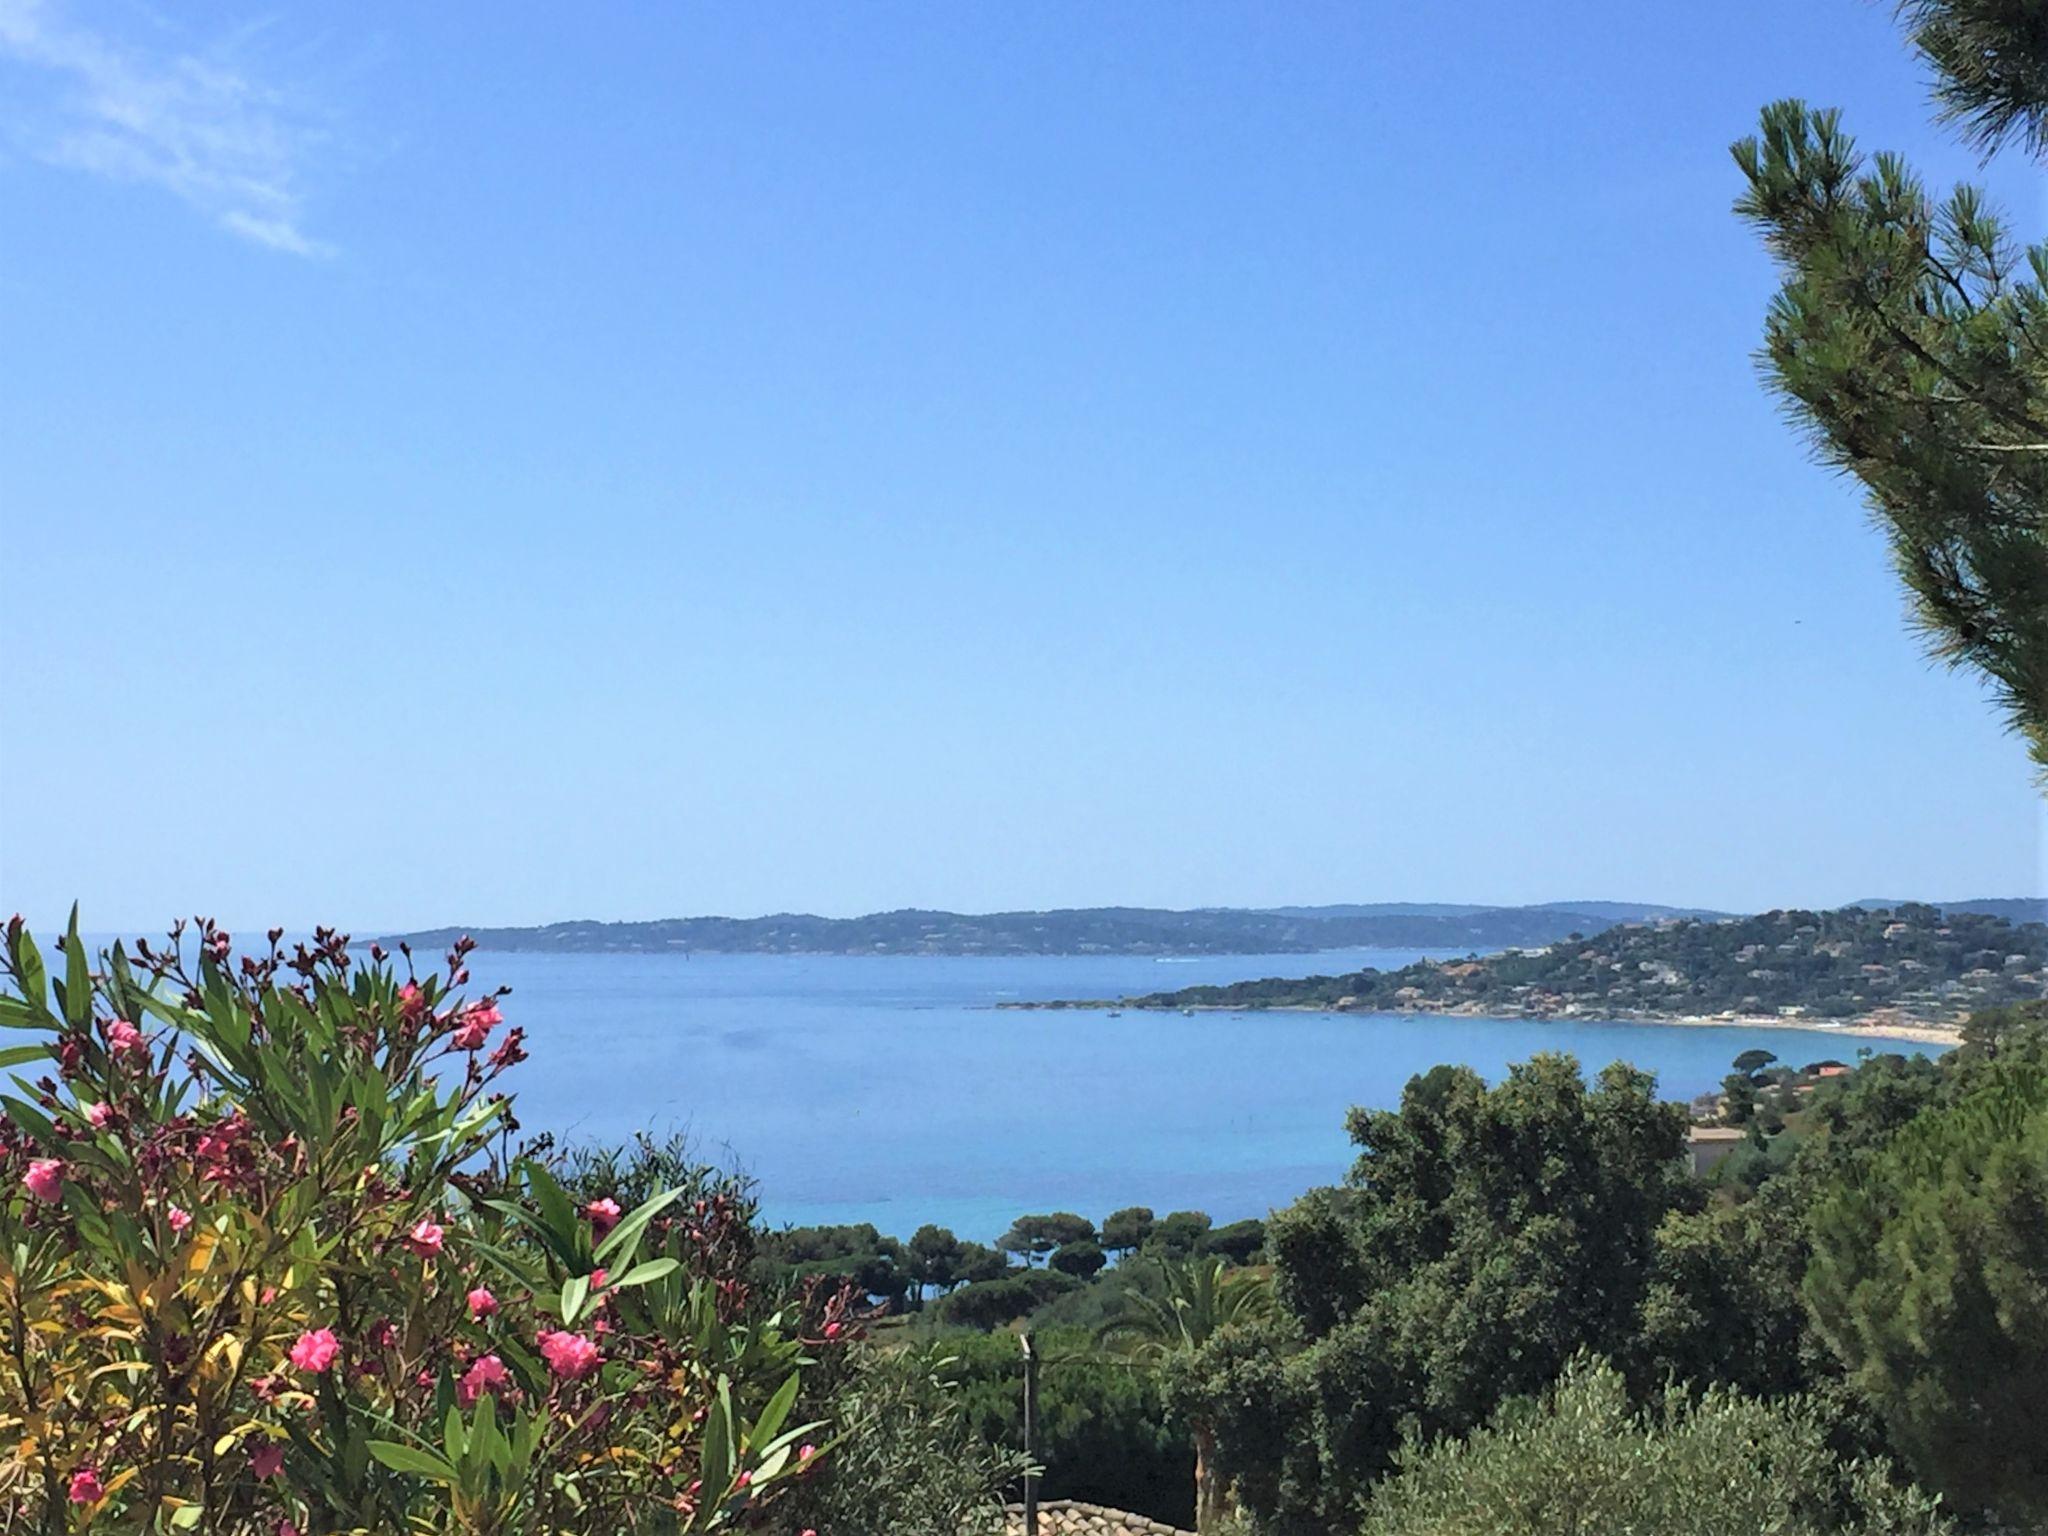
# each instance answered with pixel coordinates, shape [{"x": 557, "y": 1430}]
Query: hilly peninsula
[
  {"x": 1073, "y": 931},
  {"x": 1909, "y": 965}
]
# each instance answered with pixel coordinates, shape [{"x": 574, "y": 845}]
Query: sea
[{"x": 896, "y": 1090}]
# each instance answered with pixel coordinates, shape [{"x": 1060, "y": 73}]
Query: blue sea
[{"x": 893, "y": 1090}]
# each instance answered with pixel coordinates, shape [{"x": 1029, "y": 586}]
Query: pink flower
[
  {"x": 124, "y": 1039},
  {"x": 569, "y": 1355},
  {"x": 385, "y": 1334},
  {"x": 286, "y": 1528},
  {"x": 45, "y": 1180},
  {"x": 604, "y": 1214},
  {"x": 831, "y": 1330},
  {"x": 315, "y": 1351},
  {"x": 743, "y": 1479},
  {"x": 267, "y": 1460},
  {"x": 807, "y": 1453},
  {"x": 476, "y": 1027},
  {"x": 425, "y": 1238},
  {"x": 85, "y": 1486},
  {"x": 598, "y": 1277},
  {"x": 179, "y": 1218},
  {"x": 482, "y": 1303},
  {"x": 101, "y": 1115},
  {"x": 488, "y": 1374}
]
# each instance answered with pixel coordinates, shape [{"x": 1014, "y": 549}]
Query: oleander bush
[{"x": 269, "y": 1263}]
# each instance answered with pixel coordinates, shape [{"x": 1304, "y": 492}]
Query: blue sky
[{"x": 488, "y": 464}]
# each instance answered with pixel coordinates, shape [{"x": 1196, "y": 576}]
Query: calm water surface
[{"x": 890, "y": 1089}]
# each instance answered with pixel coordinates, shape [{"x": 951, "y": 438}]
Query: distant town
[{"x": 1909, "y": 965}]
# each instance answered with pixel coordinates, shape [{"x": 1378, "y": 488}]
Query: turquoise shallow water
[{"x": 891, "y": 1089}]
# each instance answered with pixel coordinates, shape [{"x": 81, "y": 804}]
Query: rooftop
[{"x": 1070, "y": 1517}]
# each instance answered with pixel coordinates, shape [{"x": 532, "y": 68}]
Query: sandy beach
[{"x": 1883, "y": 1025}]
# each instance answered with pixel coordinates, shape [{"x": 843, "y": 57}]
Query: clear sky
[{"x": 494, "y": 464}]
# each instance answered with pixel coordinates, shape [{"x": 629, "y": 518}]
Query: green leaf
[
  {"x": 28, "y": 961},
  {"x": 555, "y": 1206},
  {"x": 30, "y": 1119},
  {"x": 77, "y": 976},
  {"x": 409, "y": 1458},
  {"x": 644, "y": 1274},
  {"x": 630, "y": 1227},
  {"x": 716, "y": 1465},
  {"x": 15, "y": 1055},
  {"x": 777, "y": 1410},
  {"x": 575, "y": 1291}
]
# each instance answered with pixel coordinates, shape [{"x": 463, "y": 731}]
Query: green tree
[
  {"x": 1081, "y": 1260},
  {"x": 1178, "y": 1234},
  {"x": 1488, "y": 1234},
  {"x": 1238, "y": 1242},
  {"x": 1198, "y": 1301},
  {"x": 1583, "y": 1460},
  {"x": 1738, "y": 1097},
  {"x": 1989, "y": 1031},
  {"x": 1036, "y": 1236},
  {"x": 1929, "y": 1279},
  {"x": 1105, "y": 1432},
  {"x": 978, "y": 1261},
  {"x": 1127, "y": 1229},
  {"x": 1990, "y": 59},
  {"x": 1909, "y": 338},
  {"x": 988, "y": 1304},
  {"x": 932, "y": 1258},
  {"x": 1753, "y": 1061}
]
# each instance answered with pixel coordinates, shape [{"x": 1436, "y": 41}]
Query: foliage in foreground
[
  {"x": 1489, "y": 1234},
  {"x": 1930, "y": 1280},
  {"x": 1908, "y": 337},
  {"x": 263, "y": 1269},
  {"x": 1106, "y": 1433},
  {"x": 1583, "y": 1460},
  {"x": 912, "y": 1459}
]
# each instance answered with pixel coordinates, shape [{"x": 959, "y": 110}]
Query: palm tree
[{"x": 1200, "y": 1298}]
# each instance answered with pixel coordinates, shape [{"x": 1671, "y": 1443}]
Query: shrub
[
  {"x": 994, "y": 1303},
  {"x": 909, "y": 1461},
  {"x": 1582, "y": 1460},
  {"x": 1105, "y": 1432},
  {"x": 1929, "y": 1278},
  {"x": 265, "y": 1266}
]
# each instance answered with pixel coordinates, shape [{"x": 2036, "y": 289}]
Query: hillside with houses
[{"x": 1912, "y": 964}]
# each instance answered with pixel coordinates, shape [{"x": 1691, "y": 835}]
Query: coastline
[{"x": 1880, "y": 1026}]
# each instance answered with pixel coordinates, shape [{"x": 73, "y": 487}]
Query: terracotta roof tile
[{"x": 1070, "y": 1517}]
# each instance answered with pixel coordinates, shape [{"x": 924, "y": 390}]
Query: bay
[{"x": 893, "y": 1089}]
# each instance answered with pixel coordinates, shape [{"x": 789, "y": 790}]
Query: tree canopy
[
  {"x": 1487, "y": 1234},
  {"x": 1908, "y": 338},
  {"x": 1929, "y": 1279}
]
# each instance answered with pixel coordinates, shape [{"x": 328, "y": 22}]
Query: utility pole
[{"x": 1030, "y": 1437}]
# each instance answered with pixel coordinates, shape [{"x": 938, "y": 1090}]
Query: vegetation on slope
[{"x": 1914, "y": 962}]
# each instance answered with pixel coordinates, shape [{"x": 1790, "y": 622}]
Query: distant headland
[
  {"x": 1077, "y": 930},
  {"x": 1913, "y": 970},
  {"x": 1113, "y": 930}
]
